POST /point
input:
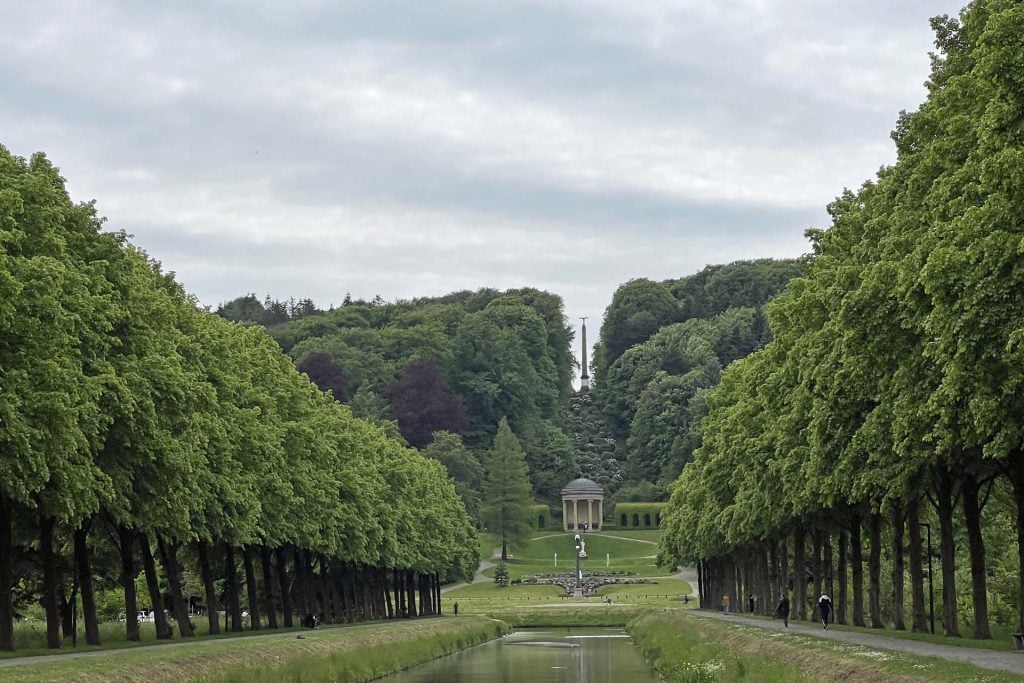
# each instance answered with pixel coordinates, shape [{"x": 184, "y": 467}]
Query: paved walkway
[{"x": 987, "y": 659}]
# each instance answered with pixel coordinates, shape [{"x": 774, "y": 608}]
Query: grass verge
[
  {"x": 682, "y": 648},
  {"x": 355, "y": 653}
]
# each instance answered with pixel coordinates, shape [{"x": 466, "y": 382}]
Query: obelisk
[{"x": 584, "y": 377}]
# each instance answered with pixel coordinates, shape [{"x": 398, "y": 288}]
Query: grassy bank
[
  {"x": 351, "y": 653},
  {"x": 683, "y": 648},
  {"x": 598, "y": 615}
]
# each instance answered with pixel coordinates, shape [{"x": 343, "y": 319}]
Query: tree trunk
[
  {"x": 388, "y": 604},
  {"x": 126, "y": 541},
  {"x": 206, "y": 575},
  {"x": 979, "y": 588},
  {"x": 50, "y": 603},
  {"x": 6, "y": 575},
  {"x": 410, "y": 588},
  {"x": 784, "y": 567},
  {"x": 169, "y": 559},
  {"x": 945, "y": 500},
  {"x": 799, "y": 609},
  {"x": 857, "y": 560},
  {"x": 234, "y": 606},
  {"x": 875, "y": 569},
  {"x": 285, "y": 589},
  {"x": 400, "y": 594},
  {"x": 826, "y": 551},
  {"x": 897, "y": 566},
  {"x": 1015, "y": 472},
  {"x": 844, "y": 595},
  {"x": 84, "y": 567},
  {"x": 163, "y": 629},
  {"x": 919, "y": 620},
  {"x": 268, "y": 587},
  {"x": 252, "y": 593},
  {"x": 816, "y": 567}
]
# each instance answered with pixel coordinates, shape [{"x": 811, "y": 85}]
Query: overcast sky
[{"x": 405, "y": 148}]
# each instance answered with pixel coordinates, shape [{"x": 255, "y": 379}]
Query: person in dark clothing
[
  {"x": 782, "y": 610},
  {"x": 824, "y": 609},
  {"x": 455, "y": 607},
  {"x": 750, "y": 603}
]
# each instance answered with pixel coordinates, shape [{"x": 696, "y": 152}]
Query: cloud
[{"x": 316, "y": 148}]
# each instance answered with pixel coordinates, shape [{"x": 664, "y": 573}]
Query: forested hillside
[
  {"x": 458, "y": 363},
  {"x": 889, "y": 403},
  {"x": 143, "y": 438},
  {"x": 663, "y": 346}
]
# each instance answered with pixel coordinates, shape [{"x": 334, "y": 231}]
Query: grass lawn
[
  {"x": 30, "y": 637},
  {"x": 652, "y": 535},
  {"x": 487, "y": 598},
  {"x": 605, "y": 552}
]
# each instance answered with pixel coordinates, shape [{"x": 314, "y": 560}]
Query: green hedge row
[{"x": 638, "y": 515}]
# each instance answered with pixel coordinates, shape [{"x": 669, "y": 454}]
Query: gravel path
[{"x": 987, "y": 659}]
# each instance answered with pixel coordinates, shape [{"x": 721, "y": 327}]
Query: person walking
[
  {"x": 750, "y": 603},
  {"x": 824, "y": 609},
  {"x": 782, "y": 610},
  {"x": 455, "y": 608}
]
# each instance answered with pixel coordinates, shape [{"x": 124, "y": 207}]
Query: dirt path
[{"x": 987, "y": 659}]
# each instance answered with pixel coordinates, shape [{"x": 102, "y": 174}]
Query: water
[{"x": 551, "y": 655}]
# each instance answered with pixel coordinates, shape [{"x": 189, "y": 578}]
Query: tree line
[
  {"x": 663, "y": 346},
  {"x": 458, "y": 364},
  {"x": 140, "y": 434},
  {"x": 891, "y": 393}
]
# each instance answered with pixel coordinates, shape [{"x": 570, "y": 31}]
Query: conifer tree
[{"x": 506, "y": 491}]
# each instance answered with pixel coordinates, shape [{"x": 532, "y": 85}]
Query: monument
[{"x": 582, "y": 505}]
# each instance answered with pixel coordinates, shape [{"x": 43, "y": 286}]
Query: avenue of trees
[
  {"x": 663, "y": 346},
  {"x": 457, "y": 364},
  {"x": 892, "y": 392},
  {"x": 141, "y": 436}
]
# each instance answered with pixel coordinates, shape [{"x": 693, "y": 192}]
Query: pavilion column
[
  {"x": 600, "y": 510},
  {"x": 576, "y": 513},
  {"x": 590, "y": 512},
  {"x": 565, "y": 515}
]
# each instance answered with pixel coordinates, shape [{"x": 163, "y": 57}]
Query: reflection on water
[{"x": 560, "y": 655}]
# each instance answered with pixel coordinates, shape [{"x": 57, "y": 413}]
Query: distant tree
[
  {"x": 421, "y": 402},
  {"x": 462, "y": 466},
  {"x": 244, "y": 309},
  {"x": 326, "y": 374},
  {"x": 598, "y": 455},
  {"x": 638, "y": 309},
  {"x": 506, "y": 490}
]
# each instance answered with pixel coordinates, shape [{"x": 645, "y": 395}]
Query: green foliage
[
  {"x": 506, "y": 490},
  {"x": 638, "y": 515},
  {"x": 541, "y": 517},
  {"x": 895, "y": 362},
  {"x": 125, "y": 406},
  {"x": 597, "y": 453},
  {"x": 501, "y": 577}
]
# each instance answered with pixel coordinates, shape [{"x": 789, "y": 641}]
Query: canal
[{"x": 550, "y": 655}]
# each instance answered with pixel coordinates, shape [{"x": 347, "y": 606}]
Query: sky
[{"x": 405, "y": 148}]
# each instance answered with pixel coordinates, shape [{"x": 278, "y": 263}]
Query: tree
[
  {"x": 506, "y": 490},
  {"x": 326, "y": 374},
  {"x": 421, "y": 402}
]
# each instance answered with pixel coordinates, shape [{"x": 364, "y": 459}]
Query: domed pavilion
[{"x": 582, "y": 502}]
